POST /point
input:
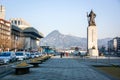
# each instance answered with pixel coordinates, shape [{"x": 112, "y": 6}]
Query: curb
[{"x": 5, "y": 73}]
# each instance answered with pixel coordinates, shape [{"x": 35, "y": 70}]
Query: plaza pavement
[{"x": 56, "y": 68}]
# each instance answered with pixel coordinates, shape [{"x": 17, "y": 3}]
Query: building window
[
  {"x": 18, "y": 22},
  {"x": 15, "y": 22}
]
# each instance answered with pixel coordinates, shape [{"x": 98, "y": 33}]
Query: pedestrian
[
  {"x": 66, "y": 54},
  {"x": 61, "y": 54}
]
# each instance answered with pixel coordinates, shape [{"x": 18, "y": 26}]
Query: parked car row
[
  {"x": 7, "y": 57},
  {"x": 35, "y": 54}
]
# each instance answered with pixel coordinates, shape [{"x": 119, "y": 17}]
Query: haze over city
[{"x": 67, "y": 16}]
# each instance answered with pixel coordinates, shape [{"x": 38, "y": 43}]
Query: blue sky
[{"x": 67, "y": 16}]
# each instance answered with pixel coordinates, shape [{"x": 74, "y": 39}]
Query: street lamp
[{"x": 15, "y": 43}]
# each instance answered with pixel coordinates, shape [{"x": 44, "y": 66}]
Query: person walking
[{"x": 61, "y": 54}]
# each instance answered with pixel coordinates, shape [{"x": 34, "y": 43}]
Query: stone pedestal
[
  {"x": 92, "y": 41},
  {"x": 93, "y": 52}
]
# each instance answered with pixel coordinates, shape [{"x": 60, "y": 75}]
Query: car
[
  {"x": 20, "y": 55},
  {"x": 76, "y": 53},
  {"x": 41, "y": 54},
  {"x": 6, "y": 57},
  {"x": 32, "y": 55},
  {"x": 37, "y": 54},
  {"x": 28, "y": 54}
]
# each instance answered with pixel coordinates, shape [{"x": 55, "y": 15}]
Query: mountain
[
  {"x": 103, "y": 42},
  {"x": 58, "y": 40}
]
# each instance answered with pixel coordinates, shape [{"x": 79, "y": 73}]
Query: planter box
[
  {"x": 22, "y": 70},
  {"x": 35, "y": 64}
]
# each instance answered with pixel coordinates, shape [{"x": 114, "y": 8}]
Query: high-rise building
[{"x": 2, "y": 12}]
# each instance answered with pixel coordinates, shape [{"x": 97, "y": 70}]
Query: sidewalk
[{"x": 60, "y": 69}]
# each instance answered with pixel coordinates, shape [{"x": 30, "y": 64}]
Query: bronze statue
[{"x": 91, "y": 18}]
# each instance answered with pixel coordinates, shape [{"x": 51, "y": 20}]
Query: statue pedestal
[{"x": 93, "y": 52}]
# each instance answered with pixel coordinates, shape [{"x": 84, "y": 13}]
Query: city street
[
  {"x": 56, "y": 68},
  {"x": 59, "y": 40}
]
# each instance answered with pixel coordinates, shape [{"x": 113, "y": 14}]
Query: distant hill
[
  {"x": 103, "y": 42},
  {"x": 58, "y": 40}
]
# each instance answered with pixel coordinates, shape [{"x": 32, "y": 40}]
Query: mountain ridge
[{"x": 59, "y": 40}]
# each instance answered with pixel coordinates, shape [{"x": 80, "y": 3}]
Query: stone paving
[{"x": 60, "y": 69}]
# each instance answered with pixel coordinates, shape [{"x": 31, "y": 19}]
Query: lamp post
[{"x": 15, "y": 43}]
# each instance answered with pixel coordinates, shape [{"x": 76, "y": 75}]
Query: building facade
[
  {"x": 5, "y": 31},
  {"x": 32, "y": 38},
  {"x": 5, "y": 34},
  {"x": 21, "y": 23},
  {"x": 114, "y": 46},
  {"x": 29, "y": 36},
  {"x": 16, "y": 38}
]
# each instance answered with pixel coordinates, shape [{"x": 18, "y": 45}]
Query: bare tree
[{"x": 5, "y": 44}]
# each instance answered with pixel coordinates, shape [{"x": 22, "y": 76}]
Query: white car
[
  {"x": 33, "y": 55},
  {"x": 6, "y": 57},
  {"x": 28, "y": 54},
  {"x": 37, "y": 54},
  {"x": 21, "y": 55}
]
